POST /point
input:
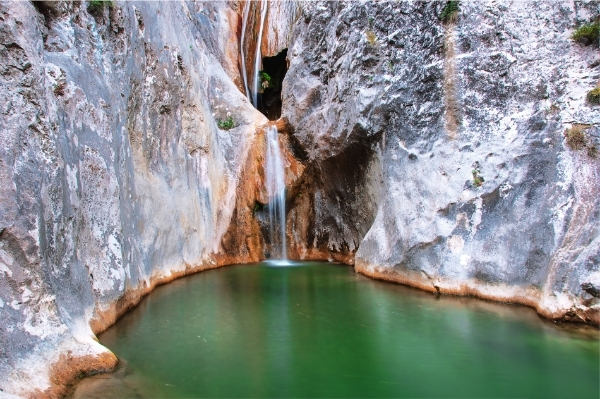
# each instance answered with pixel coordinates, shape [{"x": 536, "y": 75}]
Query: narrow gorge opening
[
  {"x": 271, "y": 79},
  {"x": 262, "y": 76}
]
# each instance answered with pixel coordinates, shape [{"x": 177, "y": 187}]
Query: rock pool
[{"x": 321, "y": 330}]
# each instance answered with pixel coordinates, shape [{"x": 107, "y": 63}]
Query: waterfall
[
  {"x": 274, "y": 171},
  {"x": 244, "y": 25},
  {"x": 258, "y": 58},
  {"x": 275, "y": 182}
]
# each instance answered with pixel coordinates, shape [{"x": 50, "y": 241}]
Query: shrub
[
  {"x": 225, "y": 124},
  {"x": 587, "y": 34},
  {"x": 576, "y": 137},
  {"x": 477, "y": 178},
  {"x": 371, "y": 37},
  {"x": 265, "y": 79},
  {"x": 450, "y": 12},
  {"x": 593, "y": 96},
  {"x": 97, "y": 6}
]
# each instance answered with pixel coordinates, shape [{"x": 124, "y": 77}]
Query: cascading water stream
[
  {"x": 274, "y": 171},
  {"x": 258, "y": 58},
  {"x": 244, "y": 25},
  {"x": 275, "y": 184}
]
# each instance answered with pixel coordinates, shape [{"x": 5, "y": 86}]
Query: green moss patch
[
  {"x": 450, "y": 12},
  {"x": 587, "y": 34}
]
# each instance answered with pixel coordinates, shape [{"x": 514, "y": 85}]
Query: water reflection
[{"x": 321, "y": 330}]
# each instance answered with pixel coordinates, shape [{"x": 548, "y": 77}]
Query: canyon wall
[
  {"x": 114, "y": 176},
  {"x": 436, "y": 151},
  {"x": 425, "y": 152}
]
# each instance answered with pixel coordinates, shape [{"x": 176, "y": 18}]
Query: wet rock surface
[{"x": 437, "y": 153}]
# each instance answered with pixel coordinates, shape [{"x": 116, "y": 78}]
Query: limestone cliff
[
  {"x": 114, "y": 175},
  {"x": 427, "y": 152},
  {"x": 437, "y": 151}
]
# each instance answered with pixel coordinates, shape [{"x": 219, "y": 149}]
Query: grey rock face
[
  {"x": 466, "y": 184},
  {"x": 432, "y": 154},
  {"x": 113, "y": 173}
]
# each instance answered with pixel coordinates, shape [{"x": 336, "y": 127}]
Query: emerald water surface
[{"x": 320, "y": 330}]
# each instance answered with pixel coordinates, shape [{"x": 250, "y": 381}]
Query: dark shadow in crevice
[
  {"x": 47, "y": 10},
  {"x": 271, "y": 78}
]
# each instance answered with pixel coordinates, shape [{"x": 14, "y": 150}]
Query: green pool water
[{"x": 321, "y": 330}]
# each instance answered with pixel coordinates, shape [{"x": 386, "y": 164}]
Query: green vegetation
[
  {"x": 450, "y": 12},
  {"x": 97, "y": 6},
  {"x": 593, "y": 96},
  {"x": 477, "y": 178},
  {"x": 577, "y": 138},
  {"x": 265, "y": 80},
  {"x": 588, "y": 33},
  {"x": 225, "y": 124}
]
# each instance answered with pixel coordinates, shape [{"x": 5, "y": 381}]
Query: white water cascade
[
  {"x": 275, "y": 184},
  {"x": 244, "y": 25},
  {"x": 258, "y": 58}
]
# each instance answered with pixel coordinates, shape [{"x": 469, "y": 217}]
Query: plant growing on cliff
[
  {"x": 578, "y": 138},
  {"x": 593, "y": 96},
  {"x": 477, "y": 178},
  {"x": 225, "y": 124},
  {"x": 588, "y": 33},
  {"x": 265, "y": 80},
  {"x": 371, "y": 37},
  {"x": 97, "y": 6},
  {"x": 450, "y": 12}
]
